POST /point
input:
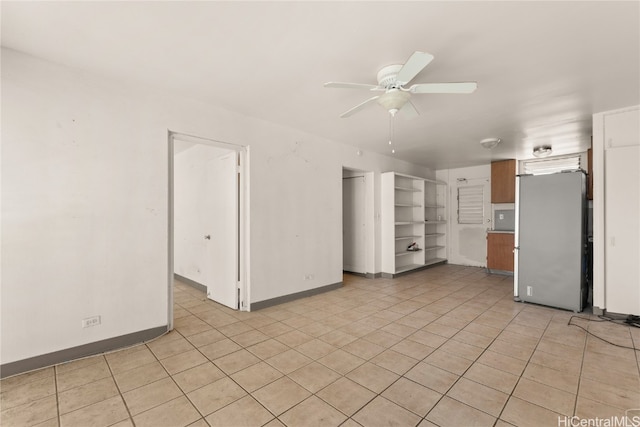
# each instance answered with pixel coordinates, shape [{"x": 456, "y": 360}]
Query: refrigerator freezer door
[{"x": 551, "y": 239}]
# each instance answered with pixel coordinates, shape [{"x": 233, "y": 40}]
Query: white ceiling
[{"x": 543, "y": 68}]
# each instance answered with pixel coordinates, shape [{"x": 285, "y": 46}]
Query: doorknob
[{"x": 207, "y": 236}]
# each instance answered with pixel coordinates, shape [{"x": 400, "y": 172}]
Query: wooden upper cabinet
[{"x": 503, "y": 181}]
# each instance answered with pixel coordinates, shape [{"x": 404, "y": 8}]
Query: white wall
[
  {"x": 85, "y": 205},
  {"x": 467, "y": 244}
]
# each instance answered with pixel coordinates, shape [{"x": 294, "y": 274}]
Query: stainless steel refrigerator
[{"x": 550, "y": 240}]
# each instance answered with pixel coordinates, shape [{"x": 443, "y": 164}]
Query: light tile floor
[{"x": 445, "y": 346}]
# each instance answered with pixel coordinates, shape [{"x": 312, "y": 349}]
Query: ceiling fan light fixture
[
  {"x": 542, "y": 151},
  {"x": 490, "y": 143},
  {"x": 393, "y": 100}
]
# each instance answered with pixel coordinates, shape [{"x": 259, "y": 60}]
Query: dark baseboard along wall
[
  {"x": 91, "y": 349},
  {"x": 292, "y": 297}
]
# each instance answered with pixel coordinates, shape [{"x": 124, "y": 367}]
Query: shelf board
[
  {"x": 406, "y": 205},
  {"x": 434, "y": 234},
  {"x": 411, "y": 189},
  {"x": 408, "y": 268},
  {"x": 408, "y": 222},
  {"x": 433, "y": 248},
  {"x": 434, "y": 261},
  {"x": 435, "y": 222},
  {"x": 402, "y": 253},
  {"x": 407, "y": 237},
  {"x": 434, "y": 206}
]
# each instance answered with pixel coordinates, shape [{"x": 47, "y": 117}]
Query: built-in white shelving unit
[{"x": 411, "y": 211}]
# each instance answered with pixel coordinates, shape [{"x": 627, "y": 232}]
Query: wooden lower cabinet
[{"x": 500, "y": 251}]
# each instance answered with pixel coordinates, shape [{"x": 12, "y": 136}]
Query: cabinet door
[
  {"x": 503, "y": 181},
  {"x": 500, "y": 251}
]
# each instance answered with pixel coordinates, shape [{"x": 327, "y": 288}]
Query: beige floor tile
[
  {"x": 512, "y": 350},
  {"x": 448, "y": 362},
  {"x": 590, "y": 409},
  {"x": 450, "y": 412},
  {"x": 190, "y": 325},
  {"x": 313, "y": 412},
  {"x": 338, "y": 338},
  {"x": 504, "y": 363},
  {"x": 394, "y": 361},
  {"x": 7, "y": 384},
  {"x": 125, "y": 360},
  {"x": 341, "y": 361},
  {"x": 219, "y": 349},
  {"x": 216, "y": 395},
  {"x": 207, "y": 337},
  {"x": 434, "y": 378},
  {"x": 249, "y": 338},
  {"x": 267, "y": 349},
  {"x": 175, "y": 413},
  {"x": 316, "y": 329},
  {"x": 167, "y": 348},
  {"x": 482, "y": 330},
  {"x": 551, "y": 377},
  {"x": 235, "y": 362},
  {"x": 85, "y": 375},
  {"x": 521, "y": 413},
  {"x": 457, "y": 348},
  {"x": 315, "y": 348},
  {"x": 413, "y": 349},
  {"x": 75, "y": 364},
  {"x": 140, "y": 376},
  {"x": 412, "y": 396},
  {"x": 609, "y": 395},
  {"x": 479, "y": 396},
  {"x": 245, "y": 412},
  {"x": 492, "y": 377},
  {"x": 399, "y": 329},
  {"x": 382, "y": 338},
  {"x": 288, "y": 361},
  {"x": 32, "y": 413},
  {"x": 281, "y": 395},
  {"x": 104, "y": 413},
  {"x": 372, "y": 377},
  {"x": 381, "y": 411},
  {"x": 87, "y": 394},
  {"x": 439, "y": 329},
  {"x": 183, "y": 361},
  {"x": 20, "y": 394},
  {"x": 314, "y": 376},
  {"x": 256, "y": 376},
  {"x": 543, "y": 395},
  {"x": 198, "y": 376},
  {"x": 364, "y": 349},
  {"x": 559, "y": 363},
  {"x": 428, "y": 338},
  {"x": 627, "y": 380},
  {"x": 236, "y": 328},
  {"x": 346, "y": 395},
  {"x": 151, "y": 395}
]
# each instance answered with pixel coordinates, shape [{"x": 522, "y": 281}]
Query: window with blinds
[
  {"x": 553, "y": 165},
  {"x": 471, "y": 204}
]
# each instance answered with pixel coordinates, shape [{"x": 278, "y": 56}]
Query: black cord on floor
[{"x": 604, "y": 319}]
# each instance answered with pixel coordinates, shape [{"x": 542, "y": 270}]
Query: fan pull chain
[{"x": 391, "y": 132}]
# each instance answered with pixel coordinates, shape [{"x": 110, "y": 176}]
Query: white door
[
  {"x": 221, "y": 225},
  {"x": 469, "y": 236},
  {"x": 353, "y": 224}
]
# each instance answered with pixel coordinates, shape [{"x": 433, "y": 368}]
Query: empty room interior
[{"x": 237, "y": 213}]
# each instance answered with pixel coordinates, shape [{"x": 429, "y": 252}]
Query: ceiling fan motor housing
[{"x": 387, "y": 76}]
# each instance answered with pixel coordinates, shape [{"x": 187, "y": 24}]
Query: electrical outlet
[
  {"x": 529, "y": 291},
  {"x": 91, "y": 321}
]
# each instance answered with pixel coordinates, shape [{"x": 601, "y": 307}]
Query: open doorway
[
  {"x": 357, "y": 244},
  {"x": 207, "y": 218}
]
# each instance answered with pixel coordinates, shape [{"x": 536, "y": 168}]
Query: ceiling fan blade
[
  {"x": 464, "y": 87},
  {"x": 416, "y": 62},
  {"x": 342, "y": 85},
  {"x": 409, "y": 111},
  {"x": 358, "y": 107}
]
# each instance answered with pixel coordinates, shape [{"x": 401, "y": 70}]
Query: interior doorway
[
  {"x": 357, "y": 204},
  {"x": 207, "y": 239}
]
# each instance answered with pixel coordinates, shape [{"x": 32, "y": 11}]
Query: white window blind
[
  {"x": 470, "y": 204},
  {"x": 558, "y": 164}
]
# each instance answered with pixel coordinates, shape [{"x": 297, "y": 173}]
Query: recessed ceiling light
[
  {"x": 542, "y": 151},
  {"x": 490, "y": 142}
]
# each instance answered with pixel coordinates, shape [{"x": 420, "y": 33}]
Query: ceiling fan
[{"x": 392, "y": 80}]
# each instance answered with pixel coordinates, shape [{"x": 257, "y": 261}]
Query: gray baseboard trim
[
  {"x": 354, "y": 273},
  {"x": 192, "y": 283},
  {"x": 597, "y": 310},
  {"x": 502, "y": 272},
  {"x": 292, "y": 297},
  {"x": 424, "y": 267},
  {"x": 85, "y": 350},
  {"x": 373, "y": 275}
]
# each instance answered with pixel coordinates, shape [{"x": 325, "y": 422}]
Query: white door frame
[
  {"x": 243, "y": 213},
  {"x": 369, "y": 209}
]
